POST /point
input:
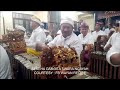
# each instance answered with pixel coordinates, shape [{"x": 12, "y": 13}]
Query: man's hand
[
  {"x": 108, "y": 47},
  {"x": 40, "y": 46}
]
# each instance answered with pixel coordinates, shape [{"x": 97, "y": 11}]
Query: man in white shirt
[
  {"x": 66, "y": 39},
  {"x": 97, "y": 31},
  {"x": 38, "y": 35},
  {"x": 113, "y": 55},
  {"x": 85, "y": 37},
  {"x": 5, "y": 67}
]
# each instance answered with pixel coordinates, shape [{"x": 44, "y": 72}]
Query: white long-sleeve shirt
[
  {"x": 38, "y": 35},
  {"x": 59, "y": 32},
  {"x": 111, "y": 40},
  {"x": 88, "y": 39},
  {"x": 114, "y": 49},
  {"x": 5, "y": 67},
  {"x": 96, "y": 34},
  {"x": 70, "y": 41}
]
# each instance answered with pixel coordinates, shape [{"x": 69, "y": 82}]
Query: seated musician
[
  {"x": 67, "y": 38},
  {"x": 86, "y": 38},
  {"x": 113, "y": 55}
]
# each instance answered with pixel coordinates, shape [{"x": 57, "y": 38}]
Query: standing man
[
  {"x": 38, "y": 34},
  {"x": 97, "y": 31}
]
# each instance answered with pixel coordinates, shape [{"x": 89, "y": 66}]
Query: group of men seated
[
  {"x": 66, "y": 38},
  {"x": 111, "y": 46}
]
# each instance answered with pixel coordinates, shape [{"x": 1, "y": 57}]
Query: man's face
[
  {"x": 33, "y": 24},
  {"x": 84, "y": 30},
  {"x": 97, "y": 26},
  {"x": 66, "y": 29}
]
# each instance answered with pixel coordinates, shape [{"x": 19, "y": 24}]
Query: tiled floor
[{"x": 86, "y": 75}]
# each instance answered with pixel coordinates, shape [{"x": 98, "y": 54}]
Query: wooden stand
[{"x": 100, "y": 66}]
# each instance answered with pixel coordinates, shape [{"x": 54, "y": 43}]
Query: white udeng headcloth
[
  {"x": 35, "y": 19},
  {"x": 68, "y": 20},
  {"x": 20, "y": 28}
]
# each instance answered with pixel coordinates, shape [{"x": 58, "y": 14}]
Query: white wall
[{"x": 8, "y": 20}]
